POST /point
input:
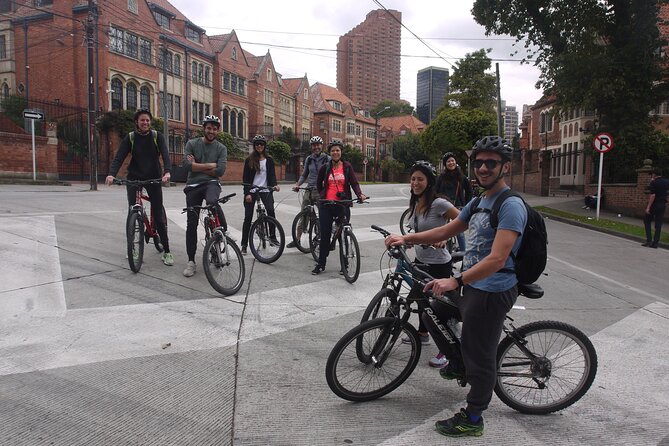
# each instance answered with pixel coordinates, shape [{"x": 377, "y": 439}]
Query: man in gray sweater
[{"x": 205, "y": 159}]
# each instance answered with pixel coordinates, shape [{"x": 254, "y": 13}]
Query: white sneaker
[
  {"x": 439, "y": 360},
  {"x": 190, "y": 269}
]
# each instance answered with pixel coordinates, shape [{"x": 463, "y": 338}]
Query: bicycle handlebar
[
  {"x": 221, "y": 200},
  {"x": 121, "y": 181},
  {"x": 342, "y": 202}
]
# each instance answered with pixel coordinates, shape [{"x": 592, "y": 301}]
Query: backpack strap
[{"x": 494, "y": 221}]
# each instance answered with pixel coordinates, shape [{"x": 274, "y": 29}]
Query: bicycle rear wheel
[
  {"x": 135, "y": 241},
  {"x": 560, "y": 370},
  {"x": 315, "y": 240},
  {"x": 404, "y": 222},
  {"x": 223, "y": 264},
  {"x": 301, "y": 229},
  {"x": 382, "y": 365},
  {"x": 267, "y": 239},
  {"x": 349, "y": 255}
]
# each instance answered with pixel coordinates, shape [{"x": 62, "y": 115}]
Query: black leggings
[
  {"x": 155, "y": 193},
  {"x": 209, "y": 192},
  {"x": 268, "y": 200}
]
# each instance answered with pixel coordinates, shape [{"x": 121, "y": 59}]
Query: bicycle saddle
[{"x": 531, "y": 290}]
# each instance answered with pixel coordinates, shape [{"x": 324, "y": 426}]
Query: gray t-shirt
[{"x": 434, "y": 218}]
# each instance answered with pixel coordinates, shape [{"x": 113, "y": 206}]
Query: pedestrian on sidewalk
[{"x": 657, "y": 204}]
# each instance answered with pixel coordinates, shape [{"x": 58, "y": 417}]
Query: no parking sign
[{"x": 603, "y": 142}]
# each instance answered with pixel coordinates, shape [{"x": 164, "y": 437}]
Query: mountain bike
[
  {"x": 140, "y": 227},
  {"x": 542, "y": 367},
  {"x": 303, "y": 223},
  {"x": 221, "y": 257},
  {"x": 266, "y": 237},
  {"x": 342, "y": 232}
]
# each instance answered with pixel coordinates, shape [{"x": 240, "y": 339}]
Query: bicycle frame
[{"x": 149, "y": 222}]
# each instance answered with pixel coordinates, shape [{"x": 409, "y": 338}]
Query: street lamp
[{"x": 376, "y": 142}]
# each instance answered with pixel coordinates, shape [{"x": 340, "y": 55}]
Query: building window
[
  {"x": 6, "y": 5},
  {"x": 358, "y": 130},
  {"x": 131, "y": 46},
  {"x": 305, "y": 112},
  {"x": 233, "y": 83},
  {"x": 269, "y": 75},
  {"x": 145, "y": 51},
  {"x": 269, "y": 125},
  {"x": 350, "y": 128},
  {"x": 132, "y": 6},
  {"x": 546, "y": 122},
  {"x": 336, "y": 105},
  {"x": 234, "y": 54},
  {"x": 193, "y": 71},
  {"x": 3, "y": 47},
  {"x": 371, "y": 133},
  {"x": 177, "y": 108},
  {"x": 115, "y": 40},
  {"x": 200, "y": 110},
  {"x": 200, "y": 73},
  {"x": 225, "y": 121},
  {"x": 116, "y": 94},
  {"x": 5, "y": 90},
  {"x": 162, "y": 19},
  {"x": 240, "y": 125},
  {"x": 269, "y": 97},
  {"x": 370, "y": 151},
  {"x": 336, "y": 125},
  {"x": 306, "y": 93},
  {"x": 145, "y": 97},
  {"x": 233, "y": 123},
  {"x": 39, "y": 3},
  {"x": 177, "y": 65},
  {"x": 131, "y": 96},
  {"x": 193, "y": 35},
  {"x": 206, "y": 76}
]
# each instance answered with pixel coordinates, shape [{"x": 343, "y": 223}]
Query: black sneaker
[
  {"x": 317, "y": 270},
  {"x": 291, "y": 244},
  {"x": 274, "y": 242},
  {"x": 452, "y": 371},
  {"x": 646, "y": 244},
  {"x": 460, "y": 425},
  {"x": 653, "y": 245},
  {"x": 244, "y": 251}
]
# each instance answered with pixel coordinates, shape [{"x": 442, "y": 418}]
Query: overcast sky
[{"x": 302, "y": 36}]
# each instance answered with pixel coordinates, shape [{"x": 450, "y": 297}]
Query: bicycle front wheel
[
  {"x": 557, "y": 372},
  {"x": 404, "y": 222},
  {"x": 223, "y": 264},
  {"x": 301, "y": 228},
  {"x": 267, "y": 239},
  {"x": 382, "y": 365},
  {"x": 349, "y": 255},
  {"x": 135, "y": 235},
  {"x": 385, "y": 303}
]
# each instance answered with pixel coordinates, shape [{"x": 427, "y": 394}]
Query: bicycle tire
[
  {"x": 383, "y": 304},
  {"x": 223, "y": 264},
  {"x": 302, "y": 242},
  {"x": 259, "y": 239},
  {"x": 563, "y": 370},
  {"x": 315, "y": 241},
  {"x": 135, "y": 241},
  {"x": 404, "y": 227},
  {"x": 356, "y": 379},
  {"x": 349, "y": 255}
]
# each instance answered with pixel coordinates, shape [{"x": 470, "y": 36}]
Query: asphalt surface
[{"x": 91, "y": 353}]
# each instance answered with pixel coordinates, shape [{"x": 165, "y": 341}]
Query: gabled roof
[
  {"x": 178, "y": 37},
  {"x": 322, "y": 94},
  {"x": 395, "y": 124},
  {"x": 293, "y": 86},
  {"x": 220, "y": 41}
]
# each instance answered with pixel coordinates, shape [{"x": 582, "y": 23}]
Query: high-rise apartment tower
[
  {"x": 431, "y": 91},
  {"x": 368, "y": 59}
]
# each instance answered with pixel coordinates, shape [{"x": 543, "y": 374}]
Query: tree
[
  {"x": 280, "y": 151},
  {"x": 392, "y": 167},
  {"x": 353, "y": 156},
  {"x": 470, "y": 86},
  {"x": 456, "y": 130},
  {"x": 400, "y": 108},
  {"x": 407, "y": 149},
  {"x": 593, "y": 54},
  {"x": 289, "y": 137},
  {"x": 13, "y": 106}
]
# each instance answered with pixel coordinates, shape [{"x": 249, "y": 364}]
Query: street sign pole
[
  {"x": 602, "y": 143},
  {"x": 32, "y": 130},
  {"x": 599, "y": 182}
]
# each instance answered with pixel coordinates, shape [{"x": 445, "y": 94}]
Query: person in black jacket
[
  {"x": 146, "y": 147},
  {"x": 453, "y": 185},
  {"x": 258, "y": 171},
  {"x": 657, "y": 204}
]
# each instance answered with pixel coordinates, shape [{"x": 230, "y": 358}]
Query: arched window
[
  {"x": 206, "y": 76},
  {"x": 571, "y": 131},
  {"x": 234, "y": 53},
  {"x": 225, "y": 119},
  {"x": 131, "y": 96},
  {"x": 116, "y": 94},
  {"x": 193, "y": 71},
  {"x": 233, "y": 123},
  {"x": 177, "y": 65},
  {"x": 5, "y": 90},
  {"x": 240, "y": 125},
  {"x": 145, "y": 97}
]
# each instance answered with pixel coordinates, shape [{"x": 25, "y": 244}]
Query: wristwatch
[{"x": 458, "y": 278}]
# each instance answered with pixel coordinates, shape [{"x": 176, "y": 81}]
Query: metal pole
[
  {"x": 599, "y": 182},
  {"x": 376, "y": 147},
  {"x": 164, "y": 106},
  {"x": 25, "y": 52},
  {"x": 500, "y": 125},
  {"x": 32, "y": 129},
  {"x": 92, "y": 153}
]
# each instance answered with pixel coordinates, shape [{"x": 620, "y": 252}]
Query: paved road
[{"x": 91, "y": 353}]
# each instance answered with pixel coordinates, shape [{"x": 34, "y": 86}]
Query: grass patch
[{"x": 603, "y": 223}]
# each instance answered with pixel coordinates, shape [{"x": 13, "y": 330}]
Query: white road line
[
  {"x": 30, "y": 279},
  {"x": 608, "y": 279}
]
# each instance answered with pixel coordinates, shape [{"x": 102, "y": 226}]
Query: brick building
[
  {"x": 395, "y": 126},
  {"x": 368, "y": 59}
]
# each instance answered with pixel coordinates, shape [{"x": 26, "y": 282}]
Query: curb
[{"x": 604, "y": 230}]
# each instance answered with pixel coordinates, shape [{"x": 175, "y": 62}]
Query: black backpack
[{"x": 530, "y": 260}]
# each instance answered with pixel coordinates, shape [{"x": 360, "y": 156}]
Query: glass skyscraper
[{"x": 431, "y": 91}]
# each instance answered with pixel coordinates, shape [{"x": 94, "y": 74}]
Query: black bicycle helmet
[
  {"x": 316, "y": 140},
  {"x": 494, "y": 144},
  {"x": 336, "y": 143},
  {"x": 142, "y": 111},
  {"x": 211, "y": 119},
  {"x": 259, "y": 139},
  {"x": 427, "y": 168},
  {"x": 446, "y": 156}
]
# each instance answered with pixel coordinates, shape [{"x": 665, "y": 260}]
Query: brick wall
[{"x": 16, "y": 159}]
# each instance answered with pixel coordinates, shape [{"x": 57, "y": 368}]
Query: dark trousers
[
  {"x": 155, "y": 193},
  {"x": 326, "y": 216},
  {"x": 657, "y": 214},
  {"x": 268, "y": 200},
  {"x": 483, "y": 316},
  {"x": 436, "y": 270},
  {"x": 209, "y": 192}
]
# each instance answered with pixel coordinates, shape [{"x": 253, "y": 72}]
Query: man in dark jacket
[
  {"x": 146, "y": 147},
  {"x": 657, "y": 204}
]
